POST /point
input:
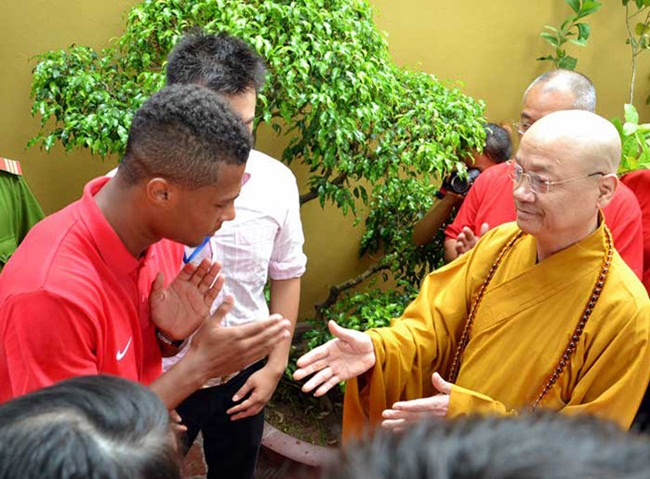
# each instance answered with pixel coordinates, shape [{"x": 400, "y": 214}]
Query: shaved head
[
  {"x": 575, "y": 153},
  {"x": 583, "y": 136},
  {"x": 554, "y": 91},
  {"x": 575, "y": 88}
]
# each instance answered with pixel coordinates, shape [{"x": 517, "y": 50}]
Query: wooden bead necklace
[{"x": 575, "y": 336}]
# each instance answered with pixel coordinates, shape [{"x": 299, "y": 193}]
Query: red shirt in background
[
  {"x": 74, "y": 301},
  {"x": 639, "y": 183},
  {"x": 490, "y": 201}
]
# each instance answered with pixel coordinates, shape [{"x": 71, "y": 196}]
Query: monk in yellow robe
[{"x": 542, "y": 313}]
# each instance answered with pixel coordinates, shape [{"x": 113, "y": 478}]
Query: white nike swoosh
[{"x": 120, "y": 354}]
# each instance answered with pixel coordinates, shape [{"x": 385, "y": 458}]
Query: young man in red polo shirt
[
  {"x": 88, "y": 291},
  {"x": 490, "y": 203}
]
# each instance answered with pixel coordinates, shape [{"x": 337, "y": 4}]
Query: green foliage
[
  {"x": 638, "y": 34},
  {"x": 84, "y": 101},
  {"x": 635, "y": 139},
  {"x": 372, "y": 135},
  {"x": 557, "y": 38},
  {"x": 361, "y": 310}
]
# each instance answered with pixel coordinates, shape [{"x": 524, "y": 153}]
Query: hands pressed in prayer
[
  {"x": 179, "y": 309},
  {"x": 405, "y": 413},
  {"x": 466, "y": 239},
  {"x": 348, "y": 355}
]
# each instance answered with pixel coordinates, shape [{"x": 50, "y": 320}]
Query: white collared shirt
[{"x": 263, "y": 241}]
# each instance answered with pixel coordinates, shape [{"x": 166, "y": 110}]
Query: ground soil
[{"x": 315, "y": 420}]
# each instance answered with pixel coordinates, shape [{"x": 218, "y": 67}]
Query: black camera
[{"x": 454, "y": 183}]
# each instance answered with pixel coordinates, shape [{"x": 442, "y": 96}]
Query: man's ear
[
  {"x": 158, "y": 191},
  {"x": 606, "y": 189},
  {"x": 482, "y": 161}
]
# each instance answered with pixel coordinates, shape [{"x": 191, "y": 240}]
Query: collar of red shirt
[{"x": 108, "y": 243}]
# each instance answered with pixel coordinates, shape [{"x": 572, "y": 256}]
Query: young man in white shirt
[{"x": 263, "y": 242}]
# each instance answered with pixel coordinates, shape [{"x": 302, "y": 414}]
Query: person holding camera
[
  {"x": 454, "y": 188},
  {"x": 490, "y": 203}
]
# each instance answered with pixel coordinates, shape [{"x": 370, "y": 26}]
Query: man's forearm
[
  {"x": 426, "y": 229},
  {"x": 175, "y": 385},
  {"x": 285, "y": 300}
]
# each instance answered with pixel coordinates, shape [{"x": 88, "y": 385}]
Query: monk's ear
[
  {"x": 606, "y": 189},
  {"x": 159, "y": 192}
]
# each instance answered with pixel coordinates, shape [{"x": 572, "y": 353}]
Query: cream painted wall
[
  {"x": 488, "y": 46},
  {"x": 31, "y": 27},
  {"x": 491, "y": 47}
]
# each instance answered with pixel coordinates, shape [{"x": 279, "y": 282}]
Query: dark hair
[
  {"x": 100, "y": 427},
  {"x": 183, "y": 133},
  {"x": 497, "y": 143},
  {"x": 221, "y": 62},
  {"x": 582, "y": 88},
  {"x": 547, "y": 446}
]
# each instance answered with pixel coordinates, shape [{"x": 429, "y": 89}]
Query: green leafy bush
[
  {"x": 372, "y": 135},
  {"x": 635, "y": 140}
]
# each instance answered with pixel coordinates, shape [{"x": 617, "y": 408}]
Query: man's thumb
[
  {"x": 223, "y": 309},
  {"x": 440, "y": 384},
  {"x": 339, "y": 331},
  {"x": 484, "y": 229},
  {"x": 157, "y": 287}
]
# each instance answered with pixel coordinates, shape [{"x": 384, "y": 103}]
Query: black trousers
[{"x": 230, "y": 447}]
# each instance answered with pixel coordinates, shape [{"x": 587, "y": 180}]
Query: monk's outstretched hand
[
  {"x": 406, "y": 413},
  {"x": 349, "y": 354}
]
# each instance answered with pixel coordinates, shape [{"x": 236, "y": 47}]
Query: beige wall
[
  {"x": 490, "y": 46},
  {"x": 31, "y": 27}
]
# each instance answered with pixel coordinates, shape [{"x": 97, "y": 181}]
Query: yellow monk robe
[{"x": 521, "y": 329}]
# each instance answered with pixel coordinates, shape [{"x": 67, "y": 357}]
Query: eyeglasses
[{"x": 538, "y": 184}]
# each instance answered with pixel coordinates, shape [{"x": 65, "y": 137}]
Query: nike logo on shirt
[{"x": 121, "y": 353}]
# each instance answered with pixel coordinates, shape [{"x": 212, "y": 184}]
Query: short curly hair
[
  {"x": 221, "y": 62},
  {"x": 183, "y": 133}
]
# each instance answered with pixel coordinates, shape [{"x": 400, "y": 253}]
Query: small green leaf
[
  {"x": 550, "y": 38},
  {"x": 568, "y": 63},
  {"x": 631, "y": 115},
  {"x": 630, "y": 128},
  {"x": 583, "y": 31},
  {"x": 590, "y": 6},
  {"x": 580, "y": 43},
  {"x": 640, "y": 29}
]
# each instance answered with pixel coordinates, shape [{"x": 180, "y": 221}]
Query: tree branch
[
  {"x": 336, "y": 290},
  {"x": 313, "y": 193}
]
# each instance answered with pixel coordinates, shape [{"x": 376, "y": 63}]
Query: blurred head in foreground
[
  {"x": 100, "y": 427},
  {"x": 547, "y": 446}
]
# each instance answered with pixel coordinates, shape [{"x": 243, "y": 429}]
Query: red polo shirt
[
  {"x": 639, "y": 183},
  {"x": 74, "y": 301},
  {"x": 490, "y": 201}
]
